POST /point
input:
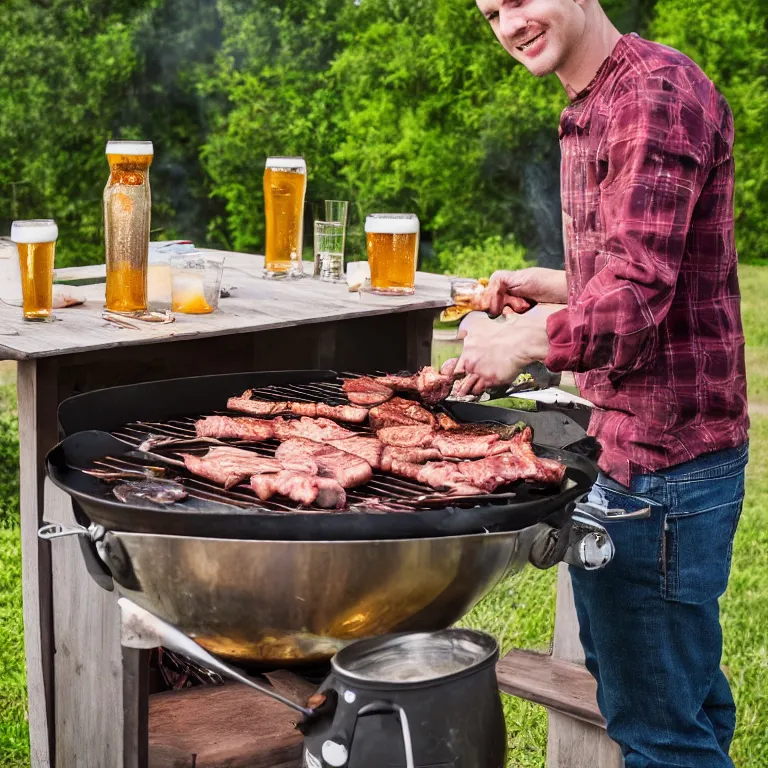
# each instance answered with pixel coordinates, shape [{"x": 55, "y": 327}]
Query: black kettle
[{"x": 427, "y": 700}]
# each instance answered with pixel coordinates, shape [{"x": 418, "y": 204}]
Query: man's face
[{"x": 540, "y": 34}]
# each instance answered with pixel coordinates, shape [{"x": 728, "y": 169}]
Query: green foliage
[
  {"x": 481, "y": 260},
  {"x": 396, "y": 104},
  {"x": 9, "y": 457},
  {"x": 730, "y": 42}
]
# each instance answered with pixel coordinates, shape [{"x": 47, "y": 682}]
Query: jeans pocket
[{"x": 696, "y": 553}]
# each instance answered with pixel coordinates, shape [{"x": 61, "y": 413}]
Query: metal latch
[{"x": 59, "y": 531}]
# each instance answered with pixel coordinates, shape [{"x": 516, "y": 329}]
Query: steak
[
  {"x": 302, "y": 488},
  {"x": 441, "y": 475},
  {"x": 246, "y": 404},
  {"x": 433, "y": 386},
  {"x": 314, "y": 429},
  {"x": 399, "y": 412},
  {"x": 229, "y": 466},
  {"x": 457, "y": 446},
  {"x": 368, "y": 448},
  {"x": 242, "y": 428},
  {"x": 409, "y": 455},
  {"x": 419, "y": 436},
  {"x": 348, "y": 470},
  {"x": 366, "y": 391}
]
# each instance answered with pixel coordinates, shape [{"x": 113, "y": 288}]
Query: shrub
[{"x": 9, "y": 457}]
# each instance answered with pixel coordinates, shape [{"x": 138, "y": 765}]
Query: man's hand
[
  {"x": 507, "y": 290},
  {"x": 496, "y": 353}
]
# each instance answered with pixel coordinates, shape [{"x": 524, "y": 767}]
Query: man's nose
[{"x": 511, "y": 23}]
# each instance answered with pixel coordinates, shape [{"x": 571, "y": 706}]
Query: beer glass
[
  {"x": 36, "y": 242},
  {"x": 393, "y": 247},
  {"x": 285, "y": 186},
  {"x": 127, "y": 208}
]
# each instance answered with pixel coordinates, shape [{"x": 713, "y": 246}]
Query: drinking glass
[
  {"x": 36, "y": 243},
  {"x": 285, "y": 187},
  {"x": 393, "y": 247},
  {"x": 329, "y": 251},
  {"x": 196, "y": 283}
]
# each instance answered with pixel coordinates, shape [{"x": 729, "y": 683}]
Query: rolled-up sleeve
[{"x": 657, "y": 149}]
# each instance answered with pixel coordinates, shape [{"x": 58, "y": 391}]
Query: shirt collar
[{"x": 608, "y": 65}]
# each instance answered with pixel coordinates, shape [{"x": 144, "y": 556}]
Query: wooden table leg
[
  {"x": 37, "y": 401},
  {"x": 573, "y": 743}
]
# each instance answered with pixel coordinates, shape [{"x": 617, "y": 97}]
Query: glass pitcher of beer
[
  {"x": 127, "y": 208},
  {"x": 393, "y": 248},
  {"x": 285, "y": 187},
  {"x": 36, "y": 242}
]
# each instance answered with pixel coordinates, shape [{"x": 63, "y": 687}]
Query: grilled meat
[
  {"x": 433, "y": 386},
  {"x": 518, "y": 462},
  {"x": 441, "y": 475},
  {"x": 419, "y": 436},
  {"x": 399, "y": 412},
  {"x": 347, "y": 469},
  {"x": 457, "y": 446},
  {"x": 409, "y": 455},
  {"x": 444, "y": 421},
  {"x": 302, "y": 488},
  {"x": 313, "y": 429},
  {"x": 246, "y": 404},
  {"x": 367, "y": 391},
  {"x": 368, "y": 448},
  {"x": 242, "y": 428},
  {"x": 229, "y": 466}
]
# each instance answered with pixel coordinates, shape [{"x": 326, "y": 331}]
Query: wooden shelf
[
  {"x": 231, "y": 726},
  {"x": 555, "y": 684}
]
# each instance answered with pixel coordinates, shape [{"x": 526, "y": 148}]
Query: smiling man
[{"x": 647, "y": 313}]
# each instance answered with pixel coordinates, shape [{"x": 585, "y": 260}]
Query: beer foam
[
  {"x": 134, "y": 148},
  {"x": 392, "y": 224},
  {"x": 34, "y": 231},
  {"x": 287, "y": 164}
]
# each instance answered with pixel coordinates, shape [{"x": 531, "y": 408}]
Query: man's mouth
[{"x": 525, "y": 46}]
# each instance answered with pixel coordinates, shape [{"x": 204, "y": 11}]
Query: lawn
[{"x": 520, "y": 611}]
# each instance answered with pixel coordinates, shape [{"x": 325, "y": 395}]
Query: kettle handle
[{"x": 335, "y": 751}]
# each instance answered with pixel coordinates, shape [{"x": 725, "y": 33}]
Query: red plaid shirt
[{"x": 653, "y": 327}]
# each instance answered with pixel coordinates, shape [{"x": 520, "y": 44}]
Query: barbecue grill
[{"x": 268, "y": 581}]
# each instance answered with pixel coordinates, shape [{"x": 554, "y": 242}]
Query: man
[{"x": 652, "y": 329}]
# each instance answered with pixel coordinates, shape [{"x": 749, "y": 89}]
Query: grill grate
[{"x": 384, "y": 493}]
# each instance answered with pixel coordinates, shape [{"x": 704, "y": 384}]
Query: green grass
[{"x": 520, "y": 611}]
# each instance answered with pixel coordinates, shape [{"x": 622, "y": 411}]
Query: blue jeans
[{"x": 649, "y": 621}]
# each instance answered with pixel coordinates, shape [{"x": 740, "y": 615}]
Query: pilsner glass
[
  {"x": 127, "y": 208},
  {"x": 393, "y": 247},
  {"x": 285, "y": 187},
  {"x": 36, "y": 241}
]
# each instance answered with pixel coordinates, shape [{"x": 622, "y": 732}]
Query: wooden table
[{"x": 84, "y": 691}]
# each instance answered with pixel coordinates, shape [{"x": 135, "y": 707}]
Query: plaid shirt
[{"x": 653, "y": 327}]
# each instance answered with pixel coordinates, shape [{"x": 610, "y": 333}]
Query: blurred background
[{"x": 405, "y": 105}]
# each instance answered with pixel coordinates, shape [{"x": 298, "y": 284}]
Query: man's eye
[{"x": 492, "y": 15}]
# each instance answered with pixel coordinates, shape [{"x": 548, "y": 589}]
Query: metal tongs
[{"x": 124, "y": 321}]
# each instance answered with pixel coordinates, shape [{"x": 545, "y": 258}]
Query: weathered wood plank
[
  {"x": 572, "y": 743},
  {"x": 231, "y": 726},
  {"x": 36, "y": 384},
  {"x": 90, "y": 666},
  {"x": 255, "y": 305},
  {"x": 554, "y": 683}
]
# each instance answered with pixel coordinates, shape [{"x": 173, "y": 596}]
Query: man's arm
[{"x": 658, "y": 161}]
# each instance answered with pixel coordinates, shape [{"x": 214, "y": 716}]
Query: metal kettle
[{"x": 410, "y": 701}]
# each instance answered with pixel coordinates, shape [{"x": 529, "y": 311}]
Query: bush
[
  {"x": 479, "y": 261},
  {"x": 9, "y": 457}
]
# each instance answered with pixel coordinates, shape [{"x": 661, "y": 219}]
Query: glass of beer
[
  {"x": 285, "y": 187},
  {"x": 127, "y": 208},
  {"x": 393, "y": 247},
  {"x": 36, "y": 241}
]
